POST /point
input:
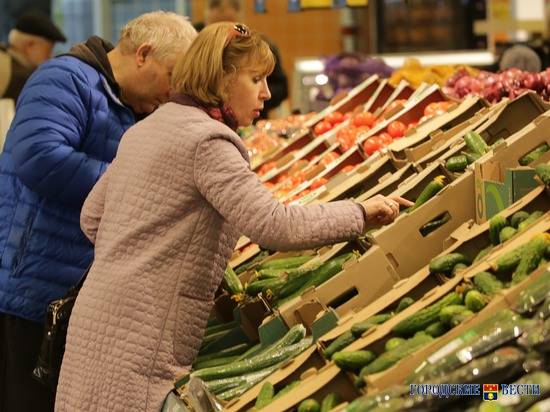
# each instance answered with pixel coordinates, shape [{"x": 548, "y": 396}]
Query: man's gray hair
[{"x": 168, "y": 33}]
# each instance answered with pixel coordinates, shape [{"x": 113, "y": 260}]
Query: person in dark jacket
[
  {"x": 68, "y": 123},
  {"x": 30, "y": 44},
  {"x": 231, "y": 10}
]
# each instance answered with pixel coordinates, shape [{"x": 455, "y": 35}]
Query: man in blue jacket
[{"x": 69, "y": 120}]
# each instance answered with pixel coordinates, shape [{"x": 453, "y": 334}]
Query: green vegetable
[
  {"x": 487, "y": 283},
  {"x": 309, "y": 405},
  {"x": 353, "y": 360},
  {"x": 534, "y": 155},
  {"x": 531, "y": 257},
  {"x": 482, "y": 253},
  {"x": 543, "y": 172},
  {"x": 470, "y": 157},
  {"x": 456, "y": 163},
  {"x": 284, "y": 263},
  {"x": 341, "y": 342},
  {"x": 460, "y": 317},
  {"x": 475, "y": 143},
  {"x": 429, "y": 227},
  {"x": 265, "y": 285},
  {"x": 233, "y": 350},
  {"x": 518, "y": 217},
  {"x": 393, "y": 343},
  {"x": 507, "y": 233},
  {"x": 403, "y": 304},
  {"x": 496, "y": 224},
  {"x": 509, "y": 260},
  {"x": 253, "y": 262},
  {"x": 446, "y": 263},
  {"x": 330, "y": 402},
  {"x": 446, "y": 313},
  {"x": 288, "y": 388},
  {"x": 359, "y": 328},
  {"x": 428, "y": 192},
  {"x": 425, "y": 317},
  {"x": 214, "y": 362},
  {"x": 475, "y": 301},
  {"x": 232, "y": 282},
  {"x": 436, "y": 329},
  {"x": 459, "y": 267},
  {"x": 294, "y": 335},
  {"x": 532, "y": 218},
  {"x": 265, "y": 396}
]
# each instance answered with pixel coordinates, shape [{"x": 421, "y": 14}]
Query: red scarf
[{"x": 222, "y": 113}]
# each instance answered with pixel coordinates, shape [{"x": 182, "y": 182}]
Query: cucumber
[
  {"x": 214, "y": 362},
  {"x": 487, "y": 283},
  {"x": 543, "y": 173},
  {"x": 390, "y": 358},
  {"x": 284, "y": 263},
  {"x": 429, "y": 227},
  {"x": 425, "y": 317},
  {"x": 475, "y": 301},
  {"x": 458, "y": 267},
  {"x": 436, "y": 329},
  {"x": 532, "y": 218},
  {"x": 288, "y": 388},
  {"x": 353, "y": 360},
  {"x": 265, "y": 285},
  {"x": 457, "y": 163},
  {"x": 404, "y": 303},
  {"x": 531, "y": 257},
  {"x": 309, "y": 405},
  {"x": 534, "y": 154},
  {"x": 294, "y": 335},
  {"x": 518, "y": 217},
  {"x": 330, "y": 402},
  {"x": 265, "y": 396},
  {"x": 482, "y": 253},
  {"x": 475, "y": 143},
  {"x": 506, "y": 233},
  {"x": 254, "y": 350},
  {"x": 271, "y": 273},
  {"x": 258, "y": 362},
  {"x": 509, "y": 260},
  {"x": 470, "y": 157},
  {"x": 428, "y": 192},
  {"x": 253, "y": 262},
  {"x": 496, "y": 224},
  {"x": 446, "y": 263},
  {"x": 231, "y": 351},
  {"x": 393, "y": 343},
  {"x": 341, "y": 342},
  {"x": 446, "y": 313},
  {"x": 458, "y": 318},
  {"x": 359, "y": 328},
  {"x": 232, "y": 282}
]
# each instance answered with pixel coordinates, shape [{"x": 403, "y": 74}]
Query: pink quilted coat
[{"x": 165, "y": 218}]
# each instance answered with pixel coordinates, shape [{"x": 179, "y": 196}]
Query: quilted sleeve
[
  {"x": 48, "y": 129},
  {"x": 93, "y": 208},
  {"x": 224, "y": 178}
]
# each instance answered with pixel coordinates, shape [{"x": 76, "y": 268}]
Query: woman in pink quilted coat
[{"x": 165, "y": 218}]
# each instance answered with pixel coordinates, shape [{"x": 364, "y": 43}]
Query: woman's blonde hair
[
  {"x": 202, "y": 72},
  {"x": 168, "y": 33}
]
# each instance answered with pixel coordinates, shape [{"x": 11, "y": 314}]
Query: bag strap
[{"x": 78, "y": 286}]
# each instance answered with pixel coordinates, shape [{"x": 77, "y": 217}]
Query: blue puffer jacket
[{"x": 66, "y": 130}]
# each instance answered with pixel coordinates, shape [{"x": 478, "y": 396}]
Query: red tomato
[
  {"x": 364, "y": 119},
  {"x": 397, "y": 129},
  {"x": 431, "y": 109},
  {"x": 348, "y": 115},
  {"x": 334, "y": 118},
  {"x": 322, "y": 127},
  {"x": 329, "y": 158},
  {"x": 266, "y": 168},
  {"x": 385, "y": 138},
  {"x": 269, "y": 185},
  {"x": 372, "y": 145},
  {"x": 348, "y": 168},
  {"x": 316, "y": 184}
]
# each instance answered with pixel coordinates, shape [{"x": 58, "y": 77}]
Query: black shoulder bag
[{"x": 52, "y": 349}]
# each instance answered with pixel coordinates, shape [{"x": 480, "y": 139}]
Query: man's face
[
  {"x": 38, "y": 50},
  {"x": 151, "y": 83}
]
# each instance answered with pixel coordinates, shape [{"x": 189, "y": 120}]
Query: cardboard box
[
  {"x": 353, "y": 288},
  {"x": 405, "y": 246},
  {"x": 380, "y": 96},
  {"x": 459, "y": 115},
  {"x": 500, "y": 180}
]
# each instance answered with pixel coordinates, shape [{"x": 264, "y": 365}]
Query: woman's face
[{"x": 246, "y": 93}]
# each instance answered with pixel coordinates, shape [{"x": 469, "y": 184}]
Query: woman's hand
[{"x": 382, "y": 210}]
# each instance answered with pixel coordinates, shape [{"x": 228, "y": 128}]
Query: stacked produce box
[{"x": 455, "y": 290}]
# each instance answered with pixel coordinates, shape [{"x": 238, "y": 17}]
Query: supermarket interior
[{"x": 292, "y": 291}]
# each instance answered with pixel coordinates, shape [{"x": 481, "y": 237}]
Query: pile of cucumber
[{"x": 476, "y": 147}]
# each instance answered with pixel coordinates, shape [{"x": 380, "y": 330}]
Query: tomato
[
  {"x": 397, "y": 129},
  {"x": 348, "y": 115},
  {"x": 266, "y": 168},
  {"x": 329, "y": 158},
  {"x": 348, "y": 168},
  {"x": 347, "y": 138},
  {"x": 322, "y": 127},
  {"x": 385, "y": 138},
  {"x": 364, "y": 119},
  {"x": 372, "y": 145},
  {"x": 334, "y": 118},
  {"x": 316, "y": 184},
  {"x": 269, "y": 185}
]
